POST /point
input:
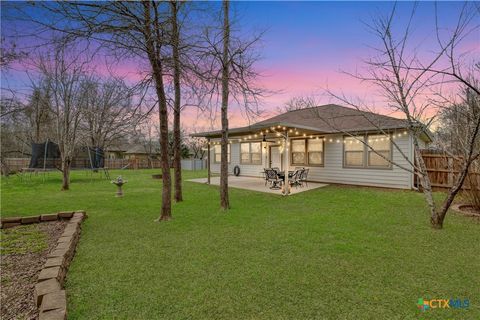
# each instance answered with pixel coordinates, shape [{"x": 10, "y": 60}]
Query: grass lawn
[{"x": 331, "y": 253}]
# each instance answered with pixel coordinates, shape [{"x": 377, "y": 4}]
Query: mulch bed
[{"x": 24, "y": 252}]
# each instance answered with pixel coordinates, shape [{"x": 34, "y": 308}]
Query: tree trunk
[
  {"x": 426, "y": 186},
  {"x": 154, "y": 57},
  {"x": 177, "y": 165},
  {"x": 224, "y": 201},
  {"x": 65, "y": 174}
]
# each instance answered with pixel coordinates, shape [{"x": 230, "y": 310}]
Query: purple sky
[{"x": 307, "y": 44}]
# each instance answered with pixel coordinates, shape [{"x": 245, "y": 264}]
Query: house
[
  {"x": 326, "y": 140},
  {"x": 116, "y": 152},
  {"x": 141, "y": 152}
]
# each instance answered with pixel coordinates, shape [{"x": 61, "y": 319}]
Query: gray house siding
[{"x": 333, "y": 170}]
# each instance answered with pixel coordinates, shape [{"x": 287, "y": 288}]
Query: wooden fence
[
  {"x": 443, "y": 171},
  {"x": 16, "y": 164}
]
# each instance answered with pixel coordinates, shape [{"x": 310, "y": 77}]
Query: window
[
  {"x": 358, "y": 155},
  {"x": 218, "y": 153},
  {"x": 251, "y": 153},
  {"x": 298, "y": 151},
  {"x": 381, "y": 145},
  {"x": 354, "y": 152},
  {"x": 315, "y": 151},
  {"x": 307, "y": 152}
]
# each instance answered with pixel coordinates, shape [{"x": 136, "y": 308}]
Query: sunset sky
[{"x": 306, "y": 46}]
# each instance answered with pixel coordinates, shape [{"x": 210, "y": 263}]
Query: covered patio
[{"x": 257, "y": 184}]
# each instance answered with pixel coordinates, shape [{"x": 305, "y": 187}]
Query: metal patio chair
[
  {"x": 294, "y": 180},
  {"x": 273, "y": 179},
  {"x": 304, "y": 177}
]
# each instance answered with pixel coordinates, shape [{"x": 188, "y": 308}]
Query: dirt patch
[
  {"x": 467, "y": 210},
  {"x": 24, "y": 251}
]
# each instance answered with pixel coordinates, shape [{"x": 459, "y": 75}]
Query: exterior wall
[
  {"x": 245, "y": 169},
  {"x": 333, "y": 170}
]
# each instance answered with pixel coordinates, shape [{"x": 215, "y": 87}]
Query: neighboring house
[
  {"x": 319, "y": 139},
  {"x": 116, "y": 152},
  {"x": 140, "y": 152}
]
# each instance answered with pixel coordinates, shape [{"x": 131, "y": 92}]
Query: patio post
[
  {"x": 208, "y": 161},
  {"x": 286, "y": 187}
]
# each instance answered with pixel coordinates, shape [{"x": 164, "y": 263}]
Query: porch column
[
  {"x": 286, "y": 187},
  {"x": 208, "y": 161}
]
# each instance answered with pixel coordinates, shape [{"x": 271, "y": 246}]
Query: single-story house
[
  {"x": 116, "y": 152},
  {"x": 141, "y": 152},
  {"x": 326, "y": 140}
]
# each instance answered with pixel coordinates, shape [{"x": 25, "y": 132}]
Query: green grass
[
  {"x": 330, "y": 253},
  {"x": 22, "y": 239}
]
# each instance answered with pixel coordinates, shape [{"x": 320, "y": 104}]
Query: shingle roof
[
  {"x": 140, "y": 149},
  {"x": 330, "y": 118}
]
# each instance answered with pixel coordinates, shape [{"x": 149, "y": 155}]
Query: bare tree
[
  {"x": 109, "y": 112},
  {"x": 298, "y": 103},
  {"x": 64, "y": 77},
  {"x": 128, "y": 29},
  {"x": 403, "y": 79},
  {"x": 225, "y": 65},
  {"x": 224, "y": 200},
  {"x": 197, "y": 147},
  {"x": 175, "y": 42},
  {"x": 147, "y": 137},
  {"x": 39, "y": 112},
  {"x": 9, "y": 53}
]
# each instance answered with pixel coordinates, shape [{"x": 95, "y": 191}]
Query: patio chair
[
  {"x": 304, "y": 177},
  {"x": 273, "y": 179},
  {"x": 294, "y": 180},
  {"x": 276, "y": 169},
  {"x": 265, "y": 176}
]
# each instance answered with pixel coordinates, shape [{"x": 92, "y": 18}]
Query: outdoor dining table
[{"x": 281, "y": 174}]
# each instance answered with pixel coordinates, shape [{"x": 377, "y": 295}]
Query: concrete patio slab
[{"x": 256, "y": 184}]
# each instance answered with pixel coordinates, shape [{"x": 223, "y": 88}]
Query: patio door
[{"x": 275, "y": 157}]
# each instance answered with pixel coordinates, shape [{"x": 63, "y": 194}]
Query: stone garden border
[{"x": 50, "y": 297}]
